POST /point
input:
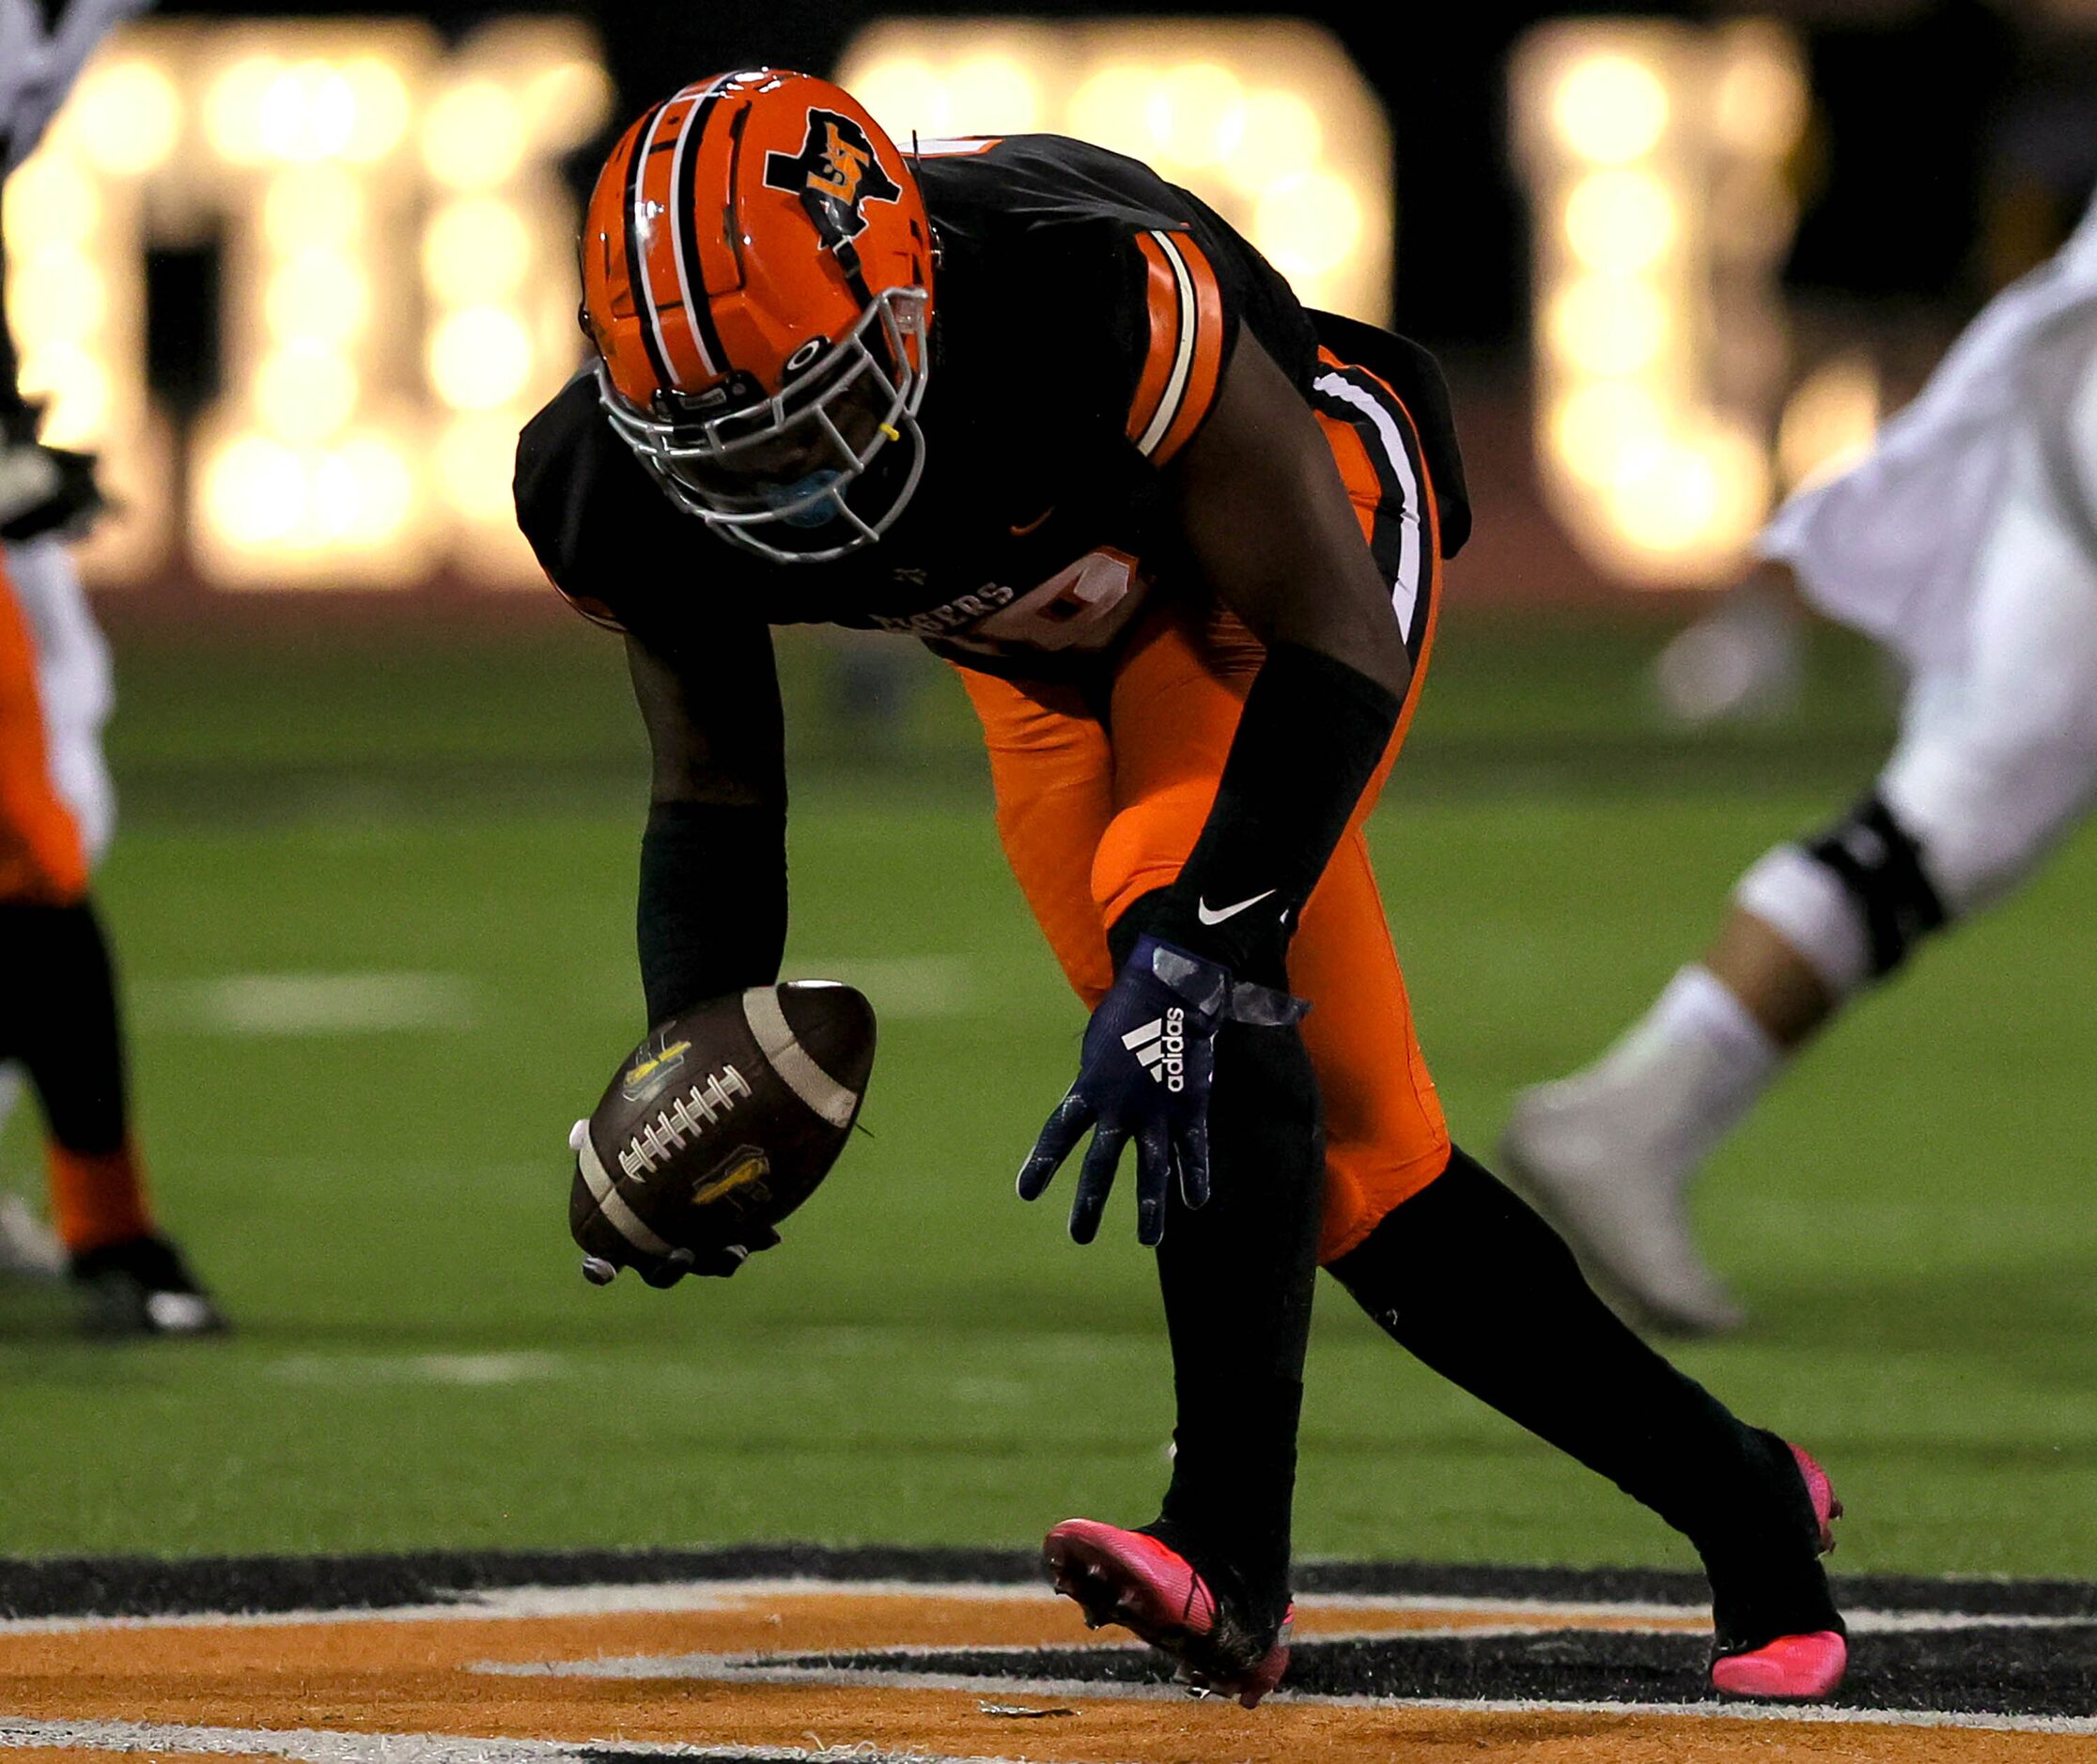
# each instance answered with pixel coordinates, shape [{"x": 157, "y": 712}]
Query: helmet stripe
[
  {"x": 637, "y": 262},
  {"x": 645, "y": 196},
  {"x": 691, "y": 279}
]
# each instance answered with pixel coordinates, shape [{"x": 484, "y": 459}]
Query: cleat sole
[{"x": 1163, "y": 1602}]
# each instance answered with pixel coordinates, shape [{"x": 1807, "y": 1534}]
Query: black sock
[
  {"x": 1468, "y": 1278},
  {"x": 1237, "y": 1279},
  {"x": 58, "y": 1017}
]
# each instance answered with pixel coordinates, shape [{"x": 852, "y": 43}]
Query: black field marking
[
  {"x": 1977, "y": 1670},
  {"x": 89, "y": 1587}
]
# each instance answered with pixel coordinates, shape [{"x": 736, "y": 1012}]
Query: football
[{"x": 722, "y": 1123}]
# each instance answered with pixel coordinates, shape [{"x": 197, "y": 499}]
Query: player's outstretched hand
[
  {"x": 717, "y": 1259},
  {"x": 1144, "y": 1073}
]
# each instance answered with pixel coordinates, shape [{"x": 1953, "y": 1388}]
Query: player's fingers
[
  {"x": 720, "y": 1261},
  {"x": 1065, "y": 1126},
  {"x": 1154, "y": 1179},
  {"x": 670, "y": 1269},
  {"x": 1096, "y": 1181},
  {"x": 1191, "y": 1149}
]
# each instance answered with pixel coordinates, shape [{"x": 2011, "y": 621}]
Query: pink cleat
[
  {"x": 1798, "y": 1668},
  {"x": 1130, "y": 1578},
  {"x": 1795, "y": 1667}
]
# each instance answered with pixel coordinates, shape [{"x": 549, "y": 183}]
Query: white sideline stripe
[
  {"x": 792, "y": 1061},
  {"x": 314, "y": 1746},
  {"x": 1405, "y": 591},
  {"x": 624, "y": 1219},
  {"x": 311, "y": 1745}
]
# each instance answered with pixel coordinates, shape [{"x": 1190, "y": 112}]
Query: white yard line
[
  {"x": 464, "y": 1370},
  {"x": 308, "y": 1746},
  {"x": 297, "y": 1004}
]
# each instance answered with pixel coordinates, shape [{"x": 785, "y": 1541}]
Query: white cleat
[{"x": 1568, "y": 1152}]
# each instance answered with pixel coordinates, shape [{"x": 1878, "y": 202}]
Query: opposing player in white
[{"x": 1966, "y": 543}]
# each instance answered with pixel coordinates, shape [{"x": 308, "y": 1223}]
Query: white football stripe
[
  {"x": 624, "y": 1219},
  {"x": 792, "y": 1061}
]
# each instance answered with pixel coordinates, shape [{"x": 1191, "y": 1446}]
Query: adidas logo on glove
[{"x": 1160, "y": 1047}]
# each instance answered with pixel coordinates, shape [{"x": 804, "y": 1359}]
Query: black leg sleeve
[
  {"x": 1237, "y": 1277},
  {"x": 58, "y": 1017},
  {"x": 1465, "y": 1277}
]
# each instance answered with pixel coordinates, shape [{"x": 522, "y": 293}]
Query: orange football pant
[
  {"x": 1091, "y": 822},
  {"x": 96, "y": 1197},
  {"x": 41, "y": 857}
]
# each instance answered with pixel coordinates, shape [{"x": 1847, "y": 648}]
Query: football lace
[{"x": 672, "y": 1129}]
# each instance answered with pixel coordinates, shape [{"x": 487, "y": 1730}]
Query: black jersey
[{"x": 1085, "y": 311}]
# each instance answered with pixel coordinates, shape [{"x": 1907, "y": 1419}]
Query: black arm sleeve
[
  {"x": 712, "y": 915},
  {"x": 1310, "y": 739}
]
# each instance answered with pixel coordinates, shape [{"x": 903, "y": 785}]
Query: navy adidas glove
[{"x": 1144, "y": 1073}]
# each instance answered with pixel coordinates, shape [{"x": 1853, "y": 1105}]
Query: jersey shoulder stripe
[{"x": 1183, "y": 364}]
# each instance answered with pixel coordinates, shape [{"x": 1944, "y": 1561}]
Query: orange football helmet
[{"x": 757, "y": 280}]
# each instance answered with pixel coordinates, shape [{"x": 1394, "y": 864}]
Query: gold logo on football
[
  {"x": 668, "y": 1058},
  {"x": 743, "y": 1175}
]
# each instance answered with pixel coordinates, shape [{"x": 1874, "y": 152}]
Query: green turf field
[{"x": 370, "y": 1166}]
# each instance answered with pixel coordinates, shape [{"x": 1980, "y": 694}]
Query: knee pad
[{"x": 1854, "y": 901}]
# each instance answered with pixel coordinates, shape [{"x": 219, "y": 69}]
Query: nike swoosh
[
  {"x": 1216, "y": 916},
  {"x": 1022, "y": 531}
]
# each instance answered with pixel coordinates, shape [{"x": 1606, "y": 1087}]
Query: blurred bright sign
[
  {"x": 1656, "y": 155},
  {"x": 399, "y": 287},
  {"x": 1267, "y": 121}
]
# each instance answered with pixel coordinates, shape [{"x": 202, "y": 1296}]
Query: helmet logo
[
  {"x": 836, "y": 173},
  {"x": 805, "y": 355}
]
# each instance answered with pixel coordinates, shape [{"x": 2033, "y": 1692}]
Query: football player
[
  {"x": 58, "y": 1010},
  {"x": 1966, "y": 543},
  {"x": 1024, "y": 400}
]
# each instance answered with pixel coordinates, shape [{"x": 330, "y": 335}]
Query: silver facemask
[{"x": 705, "y": 463}]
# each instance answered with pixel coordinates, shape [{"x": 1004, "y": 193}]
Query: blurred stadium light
[
  {"x": 1656, "y": 155},
  {"x": 349, "y": 447},
  {"x": 1267, "y": 121},
  {"x": 399, "y": 284},
  {"x": 75, "y": 290}
]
